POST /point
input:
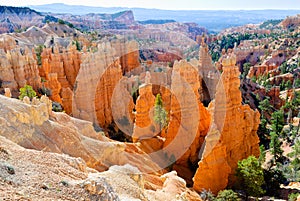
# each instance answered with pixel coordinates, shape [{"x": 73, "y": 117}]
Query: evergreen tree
[
  {"x": 275, "y": 146},
  {"x": 277, "y": 122},
  {"x": 160, "y": 114},
  {"x": 250, "y": 176},
  {"x": 265, "y": 106}
]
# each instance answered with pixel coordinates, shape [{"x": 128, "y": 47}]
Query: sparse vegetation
[
  {"x": 38, "y": 51},
  {"x": 27, "y": 91},
  {"x": 227, "y": 195}
]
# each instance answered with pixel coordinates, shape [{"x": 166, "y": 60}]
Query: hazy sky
[{"x": 171, "y": 4}]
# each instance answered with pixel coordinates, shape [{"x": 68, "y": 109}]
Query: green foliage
[
  {"x": 265, "y": 106},
  {"x": 78, "y": 45},
  {"x": 160, "y": 114},
  {"x": 277, "y": 122},
  {"x": 250, "y": 176},
  {"x": 27, "y": 91},
  {"x": 49, "y": 18},
  {"x": 60, "y": 21},
  {"x": 293, "y": 196},
  {"x": 297, "y": 83},
  {"x": 275, "y": 146},
  {"x": 292, "y": 170},
  {"x": 227, "y": 195},
  {"x": 269, "y": 23},
  {"x": 263, "y": 132},
  {"x": 246, "y": 68},
  {"x": 56, "y": 107},
  {"x": 38, "y": 51},
  {"x": 262, "y": 156}
]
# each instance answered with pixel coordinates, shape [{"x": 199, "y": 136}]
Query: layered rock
[
  {"x": 232, "y": 136},
  {"x": 104, "y": 91},
  {"x": 122, "y": 107},
  {"x": 95, "y": 83},
  {"x": 18, "y": 67},
  {"x": 59, "y": 71},
  {"x": 36, "y": 127},
  {"x": 129, "y": 54},
  {"x": 189, "y": 120},
  {"x": 249, "y": 88},
  {"x": 144, "y": 123},
  {"x": 209, "y": 75}
]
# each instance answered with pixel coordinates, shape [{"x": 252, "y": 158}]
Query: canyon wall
[
  {"x": 232, "y": 136},
  {"x": 18, "y": 67}
]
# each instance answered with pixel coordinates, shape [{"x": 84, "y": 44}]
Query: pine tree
[
  {"x": 160, "y": 114},
  {"x": 250, "y": 176}
]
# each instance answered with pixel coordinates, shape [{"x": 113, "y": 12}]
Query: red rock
[{"x": 232, "y": 136}]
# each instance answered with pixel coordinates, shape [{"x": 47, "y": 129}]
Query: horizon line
[{"x": 238, "y": 9}]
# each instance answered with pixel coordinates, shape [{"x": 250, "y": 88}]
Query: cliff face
[
  {"x": 128, "y": 51},
  {"x": 185, "y": 135},
  {"x": 59, "y": 71},
  {"x": 18, "y": 67},
  {"x": 94, "y": 85},
  {"x": 209, "y": 75},
  {"x": 232, "y": 136}
]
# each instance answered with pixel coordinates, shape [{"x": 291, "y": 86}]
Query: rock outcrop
[
  {"x": 102, "y": 72},
  {"x": 36, "y": 127},
  {"x": 209, "y": 75},
  {"x": 144, "y": 127},
  {"x": 232, "y": 136},
  {"x": 59, "y": 71},
  {"x": 128, "y": 51},
  {"x": 18, "y": 67},
  {"x": 185, "y": 135}
]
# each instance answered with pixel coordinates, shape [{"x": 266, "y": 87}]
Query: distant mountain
[
  {"x": 212, "y": 20},
  {"x": 17, "y": 18}
]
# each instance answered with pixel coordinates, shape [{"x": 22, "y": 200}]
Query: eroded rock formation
[
  {"x": 59, "y": 71},
  {"x": 185, "y": 136},
  {"x": 232, "y": 136},
  {"x": 36, "y": 127},
  {"x": 18, "y": 67},
  {"x": 209, "y": 75},
  {"x": 144, "y": 122}
]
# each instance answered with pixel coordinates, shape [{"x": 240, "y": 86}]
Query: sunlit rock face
[
  {"x": 18, "y": 66},
  {"x": 232, "y": 136}
]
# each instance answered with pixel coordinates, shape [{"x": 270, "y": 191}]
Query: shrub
[
  {"x": 45, "y": 91},
  {"x": 293, "y": 196},
  {"x": 56, "y": 107},
  {"x": 227, "y": 195},
  {"x": 27, "y": 91},
  {"x": 60, "y": 21},
  {"x": 206, "y": 195}
]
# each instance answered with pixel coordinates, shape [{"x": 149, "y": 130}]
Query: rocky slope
[
  {"x": 34, "y": 126},
  {"x": 15, "y": 18}
]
